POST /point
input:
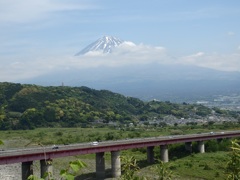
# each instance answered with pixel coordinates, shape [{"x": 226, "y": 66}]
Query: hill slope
[{"x": 25, "y": 106}]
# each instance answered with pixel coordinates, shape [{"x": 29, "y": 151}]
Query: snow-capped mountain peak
[{"x": 104, "y": 45}]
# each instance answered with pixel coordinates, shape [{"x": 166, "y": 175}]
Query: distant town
[{"x": 229, "y": 102}]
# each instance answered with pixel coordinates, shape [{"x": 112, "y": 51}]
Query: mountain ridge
[{"x": 147, "y": 82}]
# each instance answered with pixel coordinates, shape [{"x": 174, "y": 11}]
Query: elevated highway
[{"x": 49, "y": 153}]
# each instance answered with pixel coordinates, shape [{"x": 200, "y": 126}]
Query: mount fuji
[
  {"x": 106, "y": 44},
  {"x": 148, "y": 80}
]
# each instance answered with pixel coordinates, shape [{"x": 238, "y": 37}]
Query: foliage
[
  {"x": 129, "y": 167},
  {"x": 163, "y": 171},
  {"x": 72, "y": 170},
  {"x": 233, "y": 166},
  {"x": 217, "y": 145}
]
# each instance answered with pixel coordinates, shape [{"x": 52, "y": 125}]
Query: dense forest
[{"x": 27, "y": 106}]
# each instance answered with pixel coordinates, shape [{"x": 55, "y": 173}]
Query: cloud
[
  {"x": 223, "y": 62},
  {"x": 20, "y": 70},
  {"x": 230, "y": 33},
  {"x": 22, "y": 11},
  {"x": 128, "y": 54}
]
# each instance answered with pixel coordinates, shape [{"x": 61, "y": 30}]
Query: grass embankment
[
  {"x": 208, "y": 166},
  {"x": 49, "y": 136},
  {"x": 201, "y": 166}
]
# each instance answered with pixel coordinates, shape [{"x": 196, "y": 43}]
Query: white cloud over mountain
[
  {"x": 223, "y": 62},
  {"x": 128, "y": 54}
]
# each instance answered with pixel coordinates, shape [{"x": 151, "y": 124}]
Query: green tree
[
  {"x": 233, "y": 166},
  {"x": 129, "y": 167},
  {"x": 73, "y": 168},
  {"x": 163, "y": 171}
]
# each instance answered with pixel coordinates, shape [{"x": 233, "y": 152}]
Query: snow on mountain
[{"x": 104, "y": 45}]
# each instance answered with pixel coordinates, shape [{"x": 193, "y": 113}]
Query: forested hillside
[{"x": 24, "y": 106}]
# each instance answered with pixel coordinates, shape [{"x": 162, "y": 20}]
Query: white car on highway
[{"x": 94, "y": 143}]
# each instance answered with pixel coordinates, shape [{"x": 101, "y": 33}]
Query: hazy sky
[{"x": 40, "y": 36}]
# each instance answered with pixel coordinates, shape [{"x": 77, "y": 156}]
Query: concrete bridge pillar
[
  {"x": 188, "y": 146},
  {"x": 116, "y": 164},
  {"x": 27, "y": 169},
  {"x": 164, "y": 153},
  {"x": 46, "y": 169},
  {"x": 201, "y": 147},
  {"x": 150, "y": 154},
  {"x": 100, "y": 166}
]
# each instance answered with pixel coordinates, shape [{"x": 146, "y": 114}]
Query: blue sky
[{"x": 40, "y": 36}]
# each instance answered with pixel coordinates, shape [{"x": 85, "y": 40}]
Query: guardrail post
[
  {"x": 27, "y": 169},
  {"x": 150, "y": 154},
  {"x": 100, "y": 165},
  {"x": 188, "y": 146},
  {"x": 116, "y": 164},
  {"x": 46, "y": 169},
  {"x": 164, "y": 153},
  {"x": 201, "y": 147}
]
